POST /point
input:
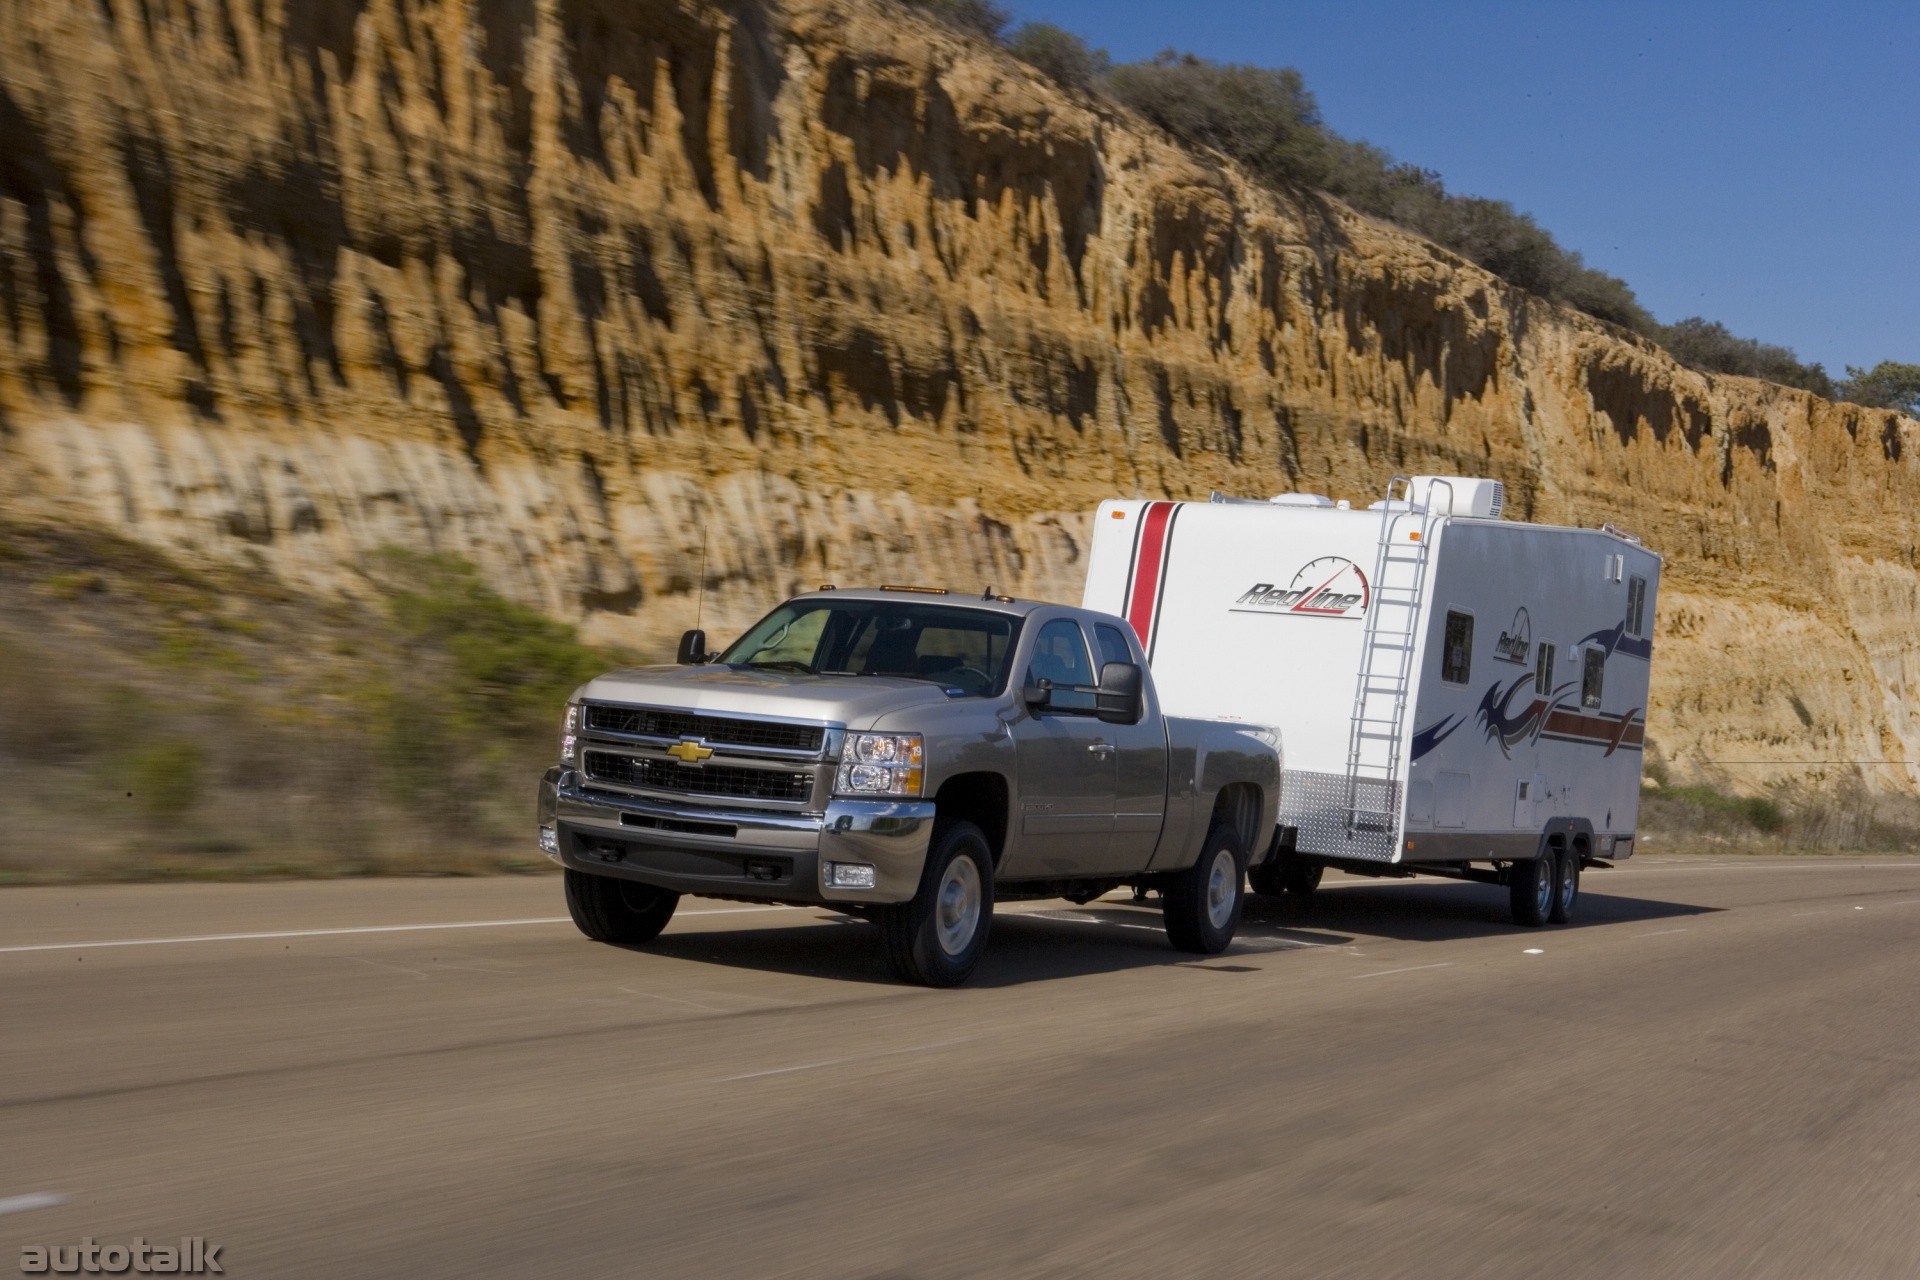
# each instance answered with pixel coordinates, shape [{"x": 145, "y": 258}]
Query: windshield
[{"x": 964, "y": 649}]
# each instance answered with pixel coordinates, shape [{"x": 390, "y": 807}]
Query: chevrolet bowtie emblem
[{"x": 689, "y": 752}]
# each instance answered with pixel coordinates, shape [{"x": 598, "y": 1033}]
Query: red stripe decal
[{"x": 1144, "y": 590}]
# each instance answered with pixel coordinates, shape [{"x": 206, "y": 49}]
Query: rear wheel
[
  {"x": 936, "y": 939},
  {"x": 1566, "y": 885},
  {"x": 1530, "y": 887},
  {"x": 618, "y": 911},
  {"x": 1202, "y": 903}
]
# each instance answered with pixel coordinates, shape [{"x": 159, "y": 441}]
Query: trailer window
[
  {"x": 1592, "y": 673},
  {"x": 1113, "y": 645},
  {"x": 1636, "y": 606},
  {"x": 1543, "y": 669},
  {"x": 1456, "y": 657}
]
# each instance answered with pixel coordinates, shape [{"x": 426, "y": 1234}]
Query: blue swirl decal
[
  {"x": 1616, "y": 640},
  {"x": 1433, "y": 735}
]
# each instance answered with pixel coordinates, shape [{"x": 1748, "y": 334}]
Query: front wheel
[
  {"x": 936, "y": 939},
  {"x": 1530, "y": 888},
  {"x": 618, "y": 911},
  {"x": 1202, "y": 903}
]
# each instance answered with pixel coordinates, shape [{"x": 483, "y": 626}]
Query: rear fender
[{"x": 1208, "y": 758}]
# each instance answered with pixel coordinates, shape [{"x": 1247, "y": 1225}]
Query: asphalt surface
[{"x": 1714, "y": 1072}]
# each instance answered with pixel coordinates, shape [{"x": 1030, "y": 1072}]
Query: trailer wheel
[
  {"x": 1530, "y": 885},
  {"x": 1288, "y": 873},
  {"x": 1566, "y": 885},
  {"x": 1202, "y": 904},
  {"x": 618, "y": 911},
  {"x": 1301, "y": 876},
  {"x": 936, "y": 939}
]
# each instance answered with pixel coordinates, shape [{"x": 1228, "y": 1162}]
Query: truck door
[
  {"x": 1064, "y": 764},
  {"x": 1141, "y": 762}
]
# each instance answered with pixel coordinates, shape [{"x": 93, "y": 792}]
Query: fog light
[
  {"x": 550, "y": 841},
  {"x": 849, "y": 875}
]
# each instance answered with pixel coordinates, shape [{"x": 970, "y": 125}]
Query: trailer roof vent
[
  {"x": 1301, "y": 500},
  {"x": 1473, "y": 496}
]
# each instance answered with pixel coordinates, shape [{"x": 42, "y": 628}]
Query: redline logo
[
  {"x": 193, "y": 1256},
  {"x": 1516, "y": 642},
  {"x": 1330, "y": 587}
]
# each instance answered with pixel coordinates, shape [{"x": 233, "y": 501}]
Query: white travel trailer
[{"x": 1456, "y": 694}]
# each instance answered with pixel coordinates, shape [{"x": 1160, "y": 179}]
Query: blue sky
[{"x": 1757, "y": 164}]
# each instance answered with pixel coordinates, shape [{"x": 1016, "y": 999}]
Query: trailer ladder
[{"x": 1377, "y": 734}]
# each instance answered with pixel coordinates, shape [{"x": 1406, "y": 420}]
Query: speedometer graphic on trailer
[{"x": 1329, "y": 587}]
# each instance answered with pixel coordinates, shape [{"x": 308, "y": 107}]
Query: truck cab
[{"x": 906, "y": 755}]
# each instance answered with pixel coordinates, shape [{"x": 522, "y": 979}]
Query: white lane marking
[
  {"x": 1444, "y": 964},
  {"x": 330, "y": 933},
  {"x": 1111, "y": 924},
  {"x": 835, "y": 1062},
  {"x": 1658, "y": 933},
  {"x": 1534, "y": 951},
  {"x": 39, "y": 1200}
]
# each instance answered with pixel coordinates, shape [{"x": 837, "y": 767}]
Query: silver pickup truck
[{"x": 907, "y": 755}]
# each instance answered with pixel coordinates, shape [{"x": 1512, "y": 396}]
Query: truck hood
[{"x": 855, "y": 701}]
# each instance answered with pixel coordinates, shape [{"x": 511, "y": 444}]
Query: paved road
[{"x": 1716, "y": 1073}]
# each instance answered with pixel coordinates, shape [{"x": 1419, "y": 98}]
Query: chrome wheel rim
[
  {"x": 1543, "y": 878},
  {"x": 956, "y": 915},
  {"x": 1569, "y": 884},
  {"x": 1222, "y": 888}
]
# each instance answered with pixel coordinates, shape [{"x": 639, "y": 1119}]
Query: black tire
[
  {"x": 1301, "y": 876},
  {"x": 1268, "y": 879},
  {"x": 1566, "y": 886},
  {"x": 936, "y": 939},
  {"x": 1202, "y": 904},
  {"x": 1530, "y": 887},
  {"x": 1288, "y": 873},
  {"x": 625, "y": 912}
]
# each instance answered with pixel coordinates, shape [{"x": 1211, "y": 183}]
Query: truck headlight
[
  {"x": 570, "y": 735},
  {"x": 882, "y": 764}
]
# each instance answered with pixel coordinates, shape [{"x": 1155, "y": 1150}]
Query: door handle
[{"x": 1101, "y": 748}]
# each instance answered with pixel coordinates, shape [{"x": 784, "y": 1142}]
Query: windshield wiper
[{"x": 785, "y": 664}]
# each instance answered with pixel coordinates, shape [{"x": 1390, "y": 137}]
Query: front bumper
[{"x": 735, "y": 853}]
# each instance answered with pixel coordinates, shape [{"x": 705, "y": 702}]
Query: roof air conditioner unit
[{"x": 1472, "y": 496}]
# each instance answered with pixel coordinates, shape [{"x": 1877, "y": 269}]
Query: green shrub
[
  {"x": 1263, "y": 118},
  {"x": 976, "y": 17},
  {"x": 1708, "y": 345},
  {"x": 1762, "y": 813},
  {"x": 1888, "y": 385},
  {"x": 511, "y": 666},
  {"x": 166, "y": 778},
  {"x": 1058, "y": 54}
]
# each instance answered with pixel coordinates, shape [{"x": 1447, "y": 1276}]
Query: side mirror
[
  {"x": 1122, "y": 694},
  {"x": 1038, "y": 696},
  {"x": 693, "y": 649}
]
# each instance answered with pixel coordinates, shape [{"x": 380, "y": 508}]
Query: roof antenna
[
  {"x": 700, "y": 594},
  {"x": 988, "y": 594}
]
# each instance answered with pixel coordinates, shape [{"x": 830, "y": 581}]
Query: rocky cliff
[{"x": 590, "y": 290}]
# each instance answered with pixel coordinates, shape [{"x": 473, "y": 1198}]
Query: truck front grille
[
  {"x": 721, "y": 731},
  {"x": 705, "y": 780}
]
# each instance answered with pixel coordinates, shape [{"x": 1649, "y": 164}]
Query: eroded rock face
[{"x": 574, "y": 287}]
